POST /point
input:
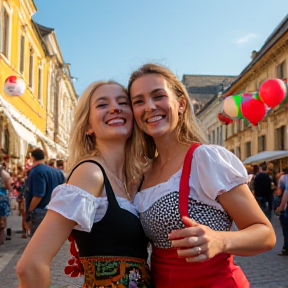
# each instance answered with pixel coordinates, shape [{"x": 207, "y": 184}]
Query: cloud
[{"x": 246, "y": 38}]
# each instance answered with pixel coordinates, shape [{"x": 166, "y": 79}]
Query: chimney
[{"x": 254, "y": 54}]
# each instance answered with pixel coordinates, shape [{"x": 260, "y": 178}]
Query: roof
[
  {"x": 44, "y": 30},
  {"x": 270, "y": 41},
  {"x": 204, "y": 87},
  {"x": 266, "y": 156}
]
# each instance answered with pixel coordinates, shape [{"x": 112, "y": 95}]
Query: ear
[
  {"x": 182, "y": 106},
  {"x": 89, "y": 130}
]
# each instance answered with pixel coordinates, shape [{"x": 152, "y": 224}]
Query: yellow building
[{"x": 24, "y": 53}]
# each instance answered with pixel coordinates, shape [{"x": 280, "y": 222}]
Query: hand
[
  {"x": 278, "y": 210},
  {"x": 196, "y": 242},
  {"x": 27, "y": 225}
]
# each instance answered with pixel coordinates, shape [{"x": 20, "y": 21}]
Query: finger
[
  {"x": 187, "y": 242},
  {"x": 188, "y": 222},
  {"x": 184, "y": 233},
  {"x": 199, "y": 258},
  {"x": 191, "y": 252}
]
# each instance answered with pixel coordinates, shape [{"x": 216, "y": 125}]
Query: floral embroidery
[{"x": 75, "y": 267}]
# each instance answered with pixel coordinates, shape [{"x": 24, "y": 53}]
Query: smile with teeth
[
  {"x": 154, "y": 119},
  {"x": 116, "y": 121}
]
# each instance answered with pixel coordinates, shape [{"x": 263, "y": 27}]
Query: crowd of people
[
  {"x": 271, "y": 191},
  {"x": 15, "y": 192},
  {"x": 147, "y": 201}
]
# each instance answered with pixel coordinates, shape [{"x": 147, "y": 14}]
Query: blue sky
[{"x": 108, "y": 39}]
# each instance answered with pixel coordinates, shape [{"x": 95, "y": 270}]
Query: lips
[{"x": 118, "y": 120}]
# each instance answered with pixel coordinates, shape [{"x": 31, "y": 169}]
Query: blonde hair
[
  {"x": 188, "y": 130},
  {"x": 82, "y": 145}
]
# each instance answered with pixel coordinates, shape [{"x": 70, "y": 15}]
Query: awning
[
  {"x": 23, "y": 133},
  {"x": 266, "y": 156}
]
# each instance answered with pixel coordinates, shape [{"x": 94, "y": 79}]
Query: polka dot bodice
[{"x": 163, "y": 217}]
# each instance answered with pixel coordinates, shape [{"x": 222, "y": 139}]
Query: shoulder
[
  {"x": 210, "y": 150},
  {"x": 89, "y": 177}
]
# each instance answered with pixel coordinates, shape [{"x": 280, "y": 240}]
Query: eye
[
  {"x": 159, "y": 97},
  {"x": 137, "y": 102},
  {"x": 123, "y": 103},
  {"x": 101, "y": 105}
]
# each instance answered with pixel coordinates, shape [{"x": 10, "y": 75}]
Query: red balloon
[
  {"x": 272, "y": 92},
  {"x": 226, "y": 120},
  {"x": 253, "y": 110}
]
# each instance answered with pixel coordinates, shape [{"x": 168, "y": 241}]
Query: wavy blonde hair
[
  {"x": 188, "y": 129},
  {"x": 80, "y": 144}
]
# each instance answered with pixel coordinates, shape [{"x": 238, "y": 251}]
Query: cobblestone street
[{"x": 267, "y": 270}]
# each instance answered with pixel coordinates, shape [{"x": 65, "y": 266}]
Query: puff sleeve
[
  {"x": 215, "y": 170},
  {"x": 75, "y": 204}
]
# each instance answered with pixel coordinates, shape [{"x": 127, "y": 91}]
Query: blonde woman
[
  {"x": 95, "y": 205},
  {"x": 199, "y": 255}
]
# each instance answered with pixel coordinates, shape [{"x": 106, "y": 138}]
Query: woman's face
[
  {"x": 155, "y": 106},
  {"x": 106, "y": 123}
]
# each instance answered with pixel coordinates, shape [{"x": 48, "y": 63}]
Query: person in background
[
  {"x": 5, "y": 187},
  {"x": 41, "y": 182},
  {"x": 217, "y": 193},
  {"x": 263, "y": 190},
  {"x": 282, "y": 209}
]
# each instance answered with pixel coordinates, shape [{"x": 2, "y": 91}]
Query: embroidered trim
[{"x": 75, "y": 267}]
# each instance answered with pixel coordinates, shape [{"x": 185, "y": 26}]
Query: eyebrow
[
  {"x": 153, "y": 91},
  {"x": 105, "y": 98}
]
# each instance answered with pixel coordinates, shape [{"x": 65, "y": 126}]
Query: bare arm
[
  {"x": 33, "y": 269},
  {"x": 255, "y": 232},
  {"x": 34, "y": 202},
  {"x": 283, "y": 203},
  {"x": 6, "y": 180}
]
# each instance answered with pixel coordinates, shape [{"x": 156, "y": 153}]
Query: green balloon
[{"x": 238, "y": 98}]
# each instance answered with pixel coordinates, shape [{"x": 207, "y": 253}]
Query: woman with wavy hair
[
  {"x": 95, "y": 205},
  {"x": 193, "y": 248}
]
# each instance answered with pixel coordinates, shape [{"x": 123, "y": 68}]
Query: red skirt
[{"x": 169, "y": 271}]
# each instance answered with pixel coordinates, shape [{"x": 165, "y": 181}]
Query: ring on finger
[{"x": 198, "y": 250}]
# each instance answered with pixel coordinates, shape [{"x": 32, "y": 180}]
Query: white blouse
[
  {"x": 214, "y": 171},
  {"x": 77, "y": 204}
]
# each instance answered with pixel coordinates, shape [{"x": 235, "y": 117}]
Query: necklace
[{"x": 120, "y": 183}]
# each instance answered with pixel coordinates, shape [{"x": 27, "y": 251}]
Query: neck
[
  {"x": 35, "y": 163},
  {"x": 113, "y": 155},
  {"x": 168, "y": 148}
]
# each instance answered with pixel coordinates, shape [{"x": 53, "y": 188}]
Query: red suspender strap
[{"x": 184, "y": 181}]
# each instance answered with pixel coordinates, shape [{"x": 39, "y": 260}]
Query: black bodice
[{"x": 118, "y": 233}]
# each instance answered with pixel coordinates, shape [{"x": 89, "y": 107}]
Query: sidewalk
[{"x": 266, "y": 270}]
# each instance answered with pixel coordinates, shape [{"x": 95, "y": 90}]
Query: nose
[{"x": 150, "y": 106}]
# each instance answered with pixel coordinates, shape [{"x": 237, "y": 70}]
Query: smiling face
[
  {"x": 155, "y": 106},
  {"x": 110, "y": 115}
]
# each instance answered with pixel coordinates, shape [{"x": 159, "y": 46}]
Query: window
[
  {"x": 261, "y": 143},
  {"x": 221, "y": 136},
  {"x": 4, "y": 31},
  {"x": 40, "y": 84},
  {"x": 281, "y": 70},
  {"x": 248, "y": 149},
  {"x": 31, "y": 67},
  {"x": 238, "y": 152},
  {"x": 22, "y": 54},
  {"x": 213, "y": 137},
  {"x": 52, "y": 91},
  {"x": 280, "y": 138}
]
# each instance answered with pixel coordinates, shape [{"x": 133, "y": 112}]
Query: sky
[{"x": 109, "y": 39}]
